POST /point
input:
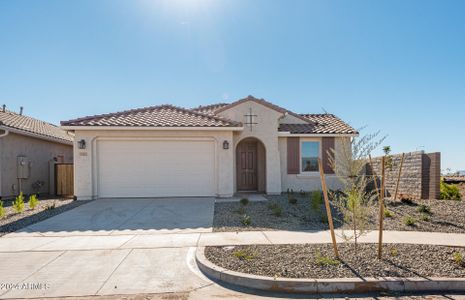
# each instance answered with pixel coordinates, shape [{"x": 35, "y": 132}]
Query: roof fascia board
[
  {"x": 152, "y": 128},
  {"x": 36, "y": 135},
  {"x": 288, "y": 134}
]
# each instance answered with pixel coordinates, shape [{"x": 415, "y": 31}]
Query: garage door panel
[{"x": 155, "y": 168}]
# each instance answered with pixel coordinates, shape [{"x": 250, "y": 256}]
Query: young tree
[{"x": 349, "y": 162}]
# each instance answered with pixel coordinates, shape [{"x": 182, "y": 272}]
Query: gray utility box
[{"x": 23, "y": 165}]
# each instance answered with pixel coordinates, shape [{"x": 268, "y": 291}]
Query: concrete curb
[{"x": 326, "y": 286}]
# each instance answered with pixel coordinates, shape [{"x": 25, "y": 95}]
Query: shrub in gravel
[
  {"x": 33, "y": 201},
  {"x": 292, "y": 200},
  {"x": 409, "y": 221},
  {"x": 425, "y": 217},
  {"x": 243, "y": 255},
  {"x": 244, "y": 201},
  {"x": 388, "y": 213},
  {"x": 459, "y": 259},
  {"x": 325, "y": 260},
  {"x": 424, "y": 209},
  {"x": 449, "y": 191},
  {"x": 246, "y": 220},
  {"x": 18, "y": 204},
  {"x": 2, "y": 210},
  {"x": 276, "y": 210},
  {"x": 316, "y": 200},
  {"x": 394, "y": 252}
]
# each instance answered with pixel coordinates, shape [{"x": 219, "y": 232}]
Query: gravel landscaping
[
  {"x": 443, "y": 216},
  {"x": 317, "y": 260},
  {"x": 46, "y": 208}
]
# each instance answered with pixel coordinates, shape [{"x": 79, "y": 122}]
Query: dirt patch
[
  {"x": 443, "y": 215},
  {"x": 46, "y": 208},
  {"x": 317, "y": 260}
]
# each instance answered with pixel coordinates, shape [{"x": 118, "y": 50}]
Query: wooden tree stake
[
  {"x": 328, "y": 208},
  {"x": 381, "y": 210},
  {"x": 398, "y": 177},
  {"x": 376, "y": 179}
]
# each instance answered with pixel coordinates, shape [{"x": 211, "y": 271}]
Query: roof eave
[
  {"x": 288, "y": 134},
  {"x": 36, "y": 135},
  {"x": 156, "y": 128}
]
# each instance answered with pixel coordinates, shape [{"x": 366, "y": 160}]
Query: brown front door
[{"x": 247, "y": 166}]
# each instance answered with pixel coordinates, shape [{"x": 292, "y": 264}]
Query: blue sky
[{"x": 394, "y": 66}]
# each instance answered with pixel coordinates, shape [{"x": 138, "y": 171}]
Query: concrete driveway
[
  {"x": 108, "y": 247},
  {"x": 129, "y": 216}
]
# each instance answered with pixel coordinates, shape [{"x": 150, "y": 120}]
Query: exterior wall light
[
  {"x": 82, "y": 144},
  {"x": 225, "y": 145}
]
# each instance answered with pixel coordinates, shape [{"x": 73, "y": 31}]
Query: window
[{"x": 310, "y": 151}]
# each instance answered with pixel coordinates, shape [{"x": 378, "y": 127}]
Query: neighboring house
[
  {"x": 27, "y": 148},
  {"x": 215, "y": 150}
]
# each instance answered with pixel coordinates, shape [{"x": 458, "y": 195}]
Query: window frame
[{"x": 303, "y": 140}]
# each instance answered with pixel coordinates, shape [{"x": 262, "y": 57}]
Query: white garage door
[{"x": 155, "y": 168}]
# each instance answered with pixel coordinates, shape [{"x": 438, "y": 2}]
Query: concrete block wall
[{"x": 420, "y": 175}]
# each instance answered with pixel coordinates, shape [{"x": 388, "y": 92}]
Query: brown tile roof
[
  {"x": 321, "y": 124},
  {"x": 209, "y": 109},
  {"x": 155, "y": 116},
  {"x": 33, "y": 126}
]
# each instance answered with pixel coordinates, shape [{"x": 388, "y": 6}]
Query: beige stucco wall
[
  {"x": 86, "y": 164},
  {"x": 290, "y": 119},
  {"x": 266, "y": 131},
  {"x": 307, "y": 182},
  {"x": 39, "y": 152}
]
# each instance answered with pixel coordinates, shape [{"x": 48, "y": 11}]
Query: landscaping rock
[
  {"x": 444, "y": 216},
  {"x": 317, "y": 261},
  {"x": 46, "y": 208}
]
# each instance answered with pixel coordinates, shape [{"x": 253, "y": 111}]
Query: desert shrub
[
  {"x": 388, "y": 213},
  {"x": 316, "y": 200},
  {"x": 425, "y": 217},
  {"x": 244, "y": 201},
  {"x": 33, "y": 201},
  {"x": 246, "y": 220},
  {"x": 459, "y": 259},
  {"x": 394, "y": 251},
  {"x": 356, "y": 198},
  {"x": 18, "y": 204},
  {"x": 449, "y": 191},
  {"x": 277, "y": 211},
  {"x": 243, "y": 255},
  {"x": 409, "y": 221},
  {"x": 2, "y": 210},
  {"x": 424, "y": 209},
  {"x": 325, "y": 260},
  {"x": 292, "y": 200}
]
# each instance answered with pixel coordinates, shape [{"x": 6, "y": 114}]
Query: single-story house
[
  {"x": 28, "y": 149},
  {"x": 214, "y": 150}
]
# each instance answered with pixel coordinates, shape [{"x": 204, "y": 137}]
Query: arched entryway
[{"x": 250, "y": 165}]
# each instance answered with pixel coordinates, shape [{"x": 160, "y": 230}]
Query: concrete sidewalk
[
  {"x": 23, "y": 243},
  {"x": 86, "y": 265}
]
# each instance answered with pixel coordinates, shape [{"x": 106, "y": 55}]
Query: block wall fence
[{"x": 420, "y": 177}]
